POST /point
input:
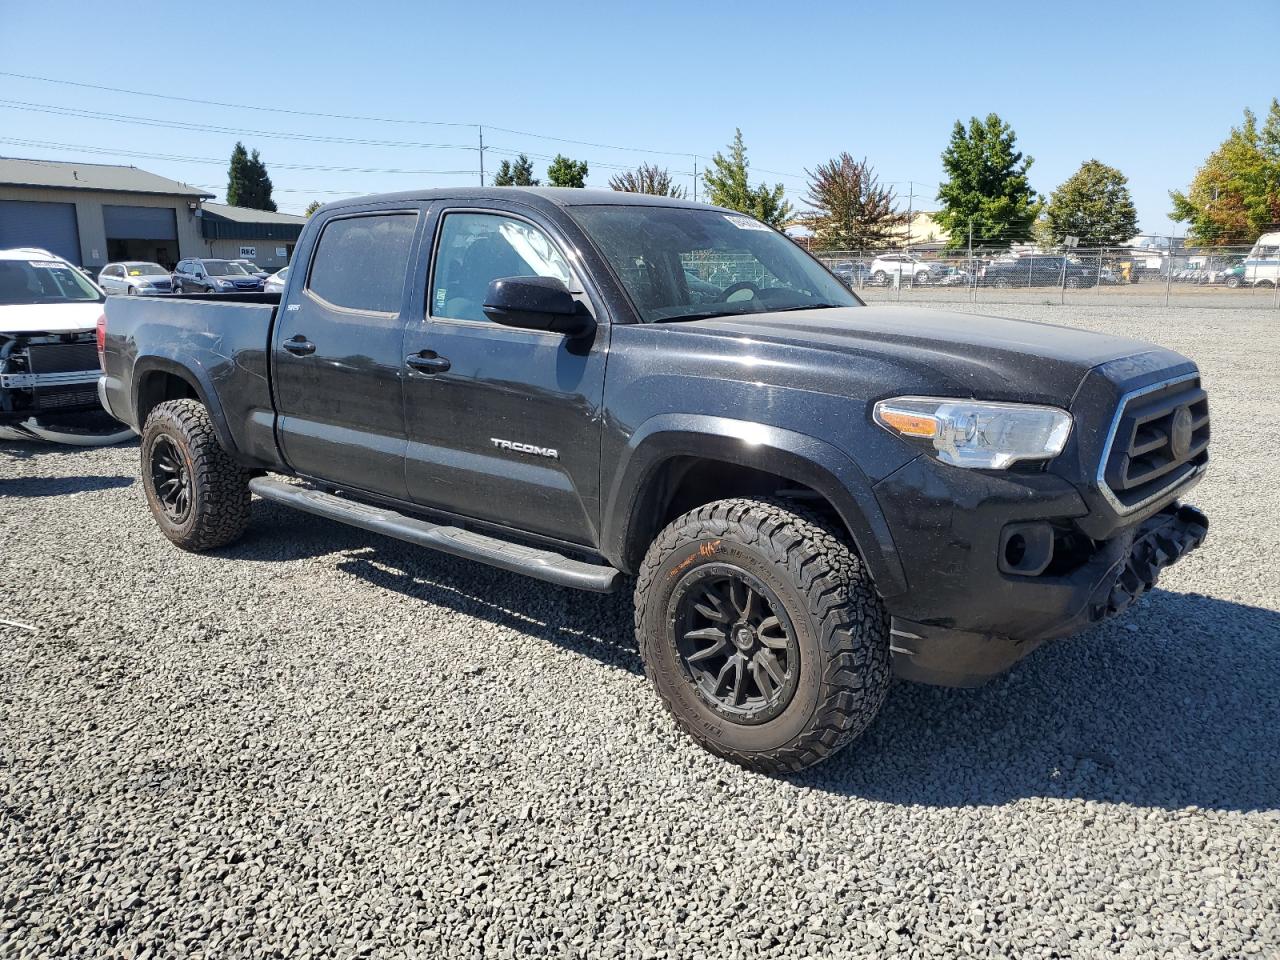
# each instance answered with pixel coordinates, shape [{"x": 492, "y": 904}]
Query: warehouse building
[
  {"x": 238, "y": 233},
  {"x": 93, "y": 213}
]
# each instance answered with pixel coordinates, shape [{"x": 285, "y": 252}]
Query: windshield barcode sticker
[{"x": 746, "y": 223}]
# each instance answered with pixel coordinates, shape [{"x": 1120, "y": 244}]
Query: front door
[
  {"x": 338, "y": 357},
  {"x": 504, "y": 426}
]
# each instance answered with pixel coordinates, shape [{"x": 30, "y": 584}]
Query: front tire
[
  {"x": 762, "y": 632},
  {"x": 197, "y": 493}
]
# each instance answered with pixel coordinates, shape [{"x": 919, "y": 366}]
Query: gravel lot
[{"x": 324, "y": 743}]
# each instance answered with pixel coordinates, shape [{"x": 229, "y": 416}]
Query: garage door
[
  {"x": 49, "y": 226},
  {"x": 140, "y": 223}
]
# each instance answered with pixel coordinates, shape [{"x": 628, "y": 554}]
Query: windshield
[
  {"x": 224, "y": 268},
  {"x": 145, "y": 270},
  {"x": 680, "y": 263},
  {"x": 43, "y": 281},
  {"x": 249, "y": 265}
]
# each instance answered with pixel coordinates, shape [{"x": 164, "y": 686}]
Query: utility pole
[
  {"x": 695, "y": 178},
  {"x": 481, "y": 128},
  {"x": 973, "y": 271}
]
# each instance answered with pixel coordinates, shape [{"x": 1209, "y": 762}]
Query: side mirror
[{"x": 536, "y": 303}]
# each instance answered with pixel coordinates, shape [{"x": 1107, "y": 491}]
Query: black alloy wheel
[
  {"x": 170, "y": 479},
  {"x": 736, "y": 645}
]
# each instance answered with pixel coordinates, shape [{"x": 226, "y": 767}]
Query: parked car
[
  {"x": 137, "y": 278},
  {"x": 253, "y": 269},
  {"x": 908, "y": 267},
  {"x": 853, "y": 273},
  {"x": 213, "y": 276},
  {"x": 49, "y": 370},
  {"x": 275, "y": 283},
  {"x": 809, "y": 491},
  {"x": 1038, "y": 271},
  {"x": 1233, "y": 277}
]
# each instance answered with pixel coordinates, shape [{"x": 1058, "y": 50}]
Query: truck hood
[
  {"x": 993, "y": 357},
  {"x": 49, "y": 317}
]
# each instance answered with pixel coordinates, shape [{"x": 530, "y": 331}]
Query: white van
[{"x": 1262, "y": 265}]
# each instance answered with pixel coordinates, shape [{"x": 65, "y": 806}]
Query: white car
[
  {"x": 49, "y": 313},
  {"x": 137, "y": 278},
  {"x": 903, "y": 265},
  {"x": 275, "y": 283}
]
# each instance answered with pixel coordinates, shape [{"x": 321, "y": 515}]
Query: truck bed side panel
[{"x": 218, "y": 345}]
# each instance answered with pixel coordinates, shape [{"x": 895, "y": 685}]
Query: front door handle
[
  {"x": 300, "y": 346},
  {"x": 428, "y": 361}
]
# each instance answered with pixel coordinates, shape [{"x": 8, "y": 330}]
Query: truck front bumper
[{"x": 968, "y": 614}]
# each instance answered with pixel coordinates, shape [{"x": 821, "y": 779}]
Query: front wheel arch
[{"x": 647, "y": 482}]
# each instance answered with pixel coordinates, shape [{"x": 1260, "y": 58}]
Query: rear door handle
[
  {"x": 428, "y": 361},
  {"x": 299, "y": 346}
]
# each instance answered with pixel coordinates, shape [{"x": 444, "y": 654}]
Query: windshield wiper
[
  {"x": 811, "y": 306},
  {"x": 710, "y": 315}
]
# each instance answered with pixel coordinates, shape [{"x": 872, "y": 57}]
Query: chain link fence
[{"x": 1164, "y": 274}]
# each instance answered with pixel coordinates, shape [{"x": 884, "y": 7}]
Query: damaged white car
[{"x": 48, "y": 355}]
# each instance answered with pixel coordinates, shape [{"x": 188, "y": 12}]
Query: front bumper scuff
[{"x": 1122, "y": 570}]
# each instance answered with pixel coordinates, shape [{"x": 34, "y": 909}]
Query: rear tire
[
  {"x": 197, "y": 493},
  {"x": 793, "y": 664}
]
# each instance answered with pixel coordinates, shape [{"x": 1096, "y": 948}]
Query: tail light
[{"x": 101, "y": 336}]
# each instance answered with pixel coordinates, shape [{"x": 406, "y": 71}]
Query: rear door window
[{"x": 362, "y": 262}]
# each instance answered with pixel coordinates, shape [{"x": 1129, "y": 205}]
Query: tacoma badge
[{"x": 525, "y": 448}]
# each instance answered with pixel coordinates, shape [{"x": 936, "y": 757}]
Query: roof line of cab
[{"x": 533, "y": 196}]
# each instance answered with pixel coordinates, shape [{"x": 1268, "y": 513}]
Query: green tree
[
  {"x": 647, "y": 179},
  {"x": 517, "y": 173},
  {"x": 729, "y": 185},
  {"x": 986, "y": 185},
  {"x": 1235, "y": 195},
  {"x": 852, "y": 209},
  {"x": 312, "y": 207},
  {"x": 247, "y": 182},
  {"x": 564, "y": 172},
  {"x": 1093, "y": 204}
]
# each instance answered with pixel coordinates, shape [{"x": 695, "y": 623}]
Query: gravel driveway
[{"x": 324, "y": 743}]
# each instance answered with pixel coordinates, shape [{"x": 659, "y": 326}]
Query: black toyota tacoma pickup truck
[{"x": 587, "y": 387}]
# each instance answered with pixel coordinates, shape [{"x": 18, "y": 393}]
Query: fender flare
[
  {"x": 194, "y": 375},
  {"x": 787, "y": 453}
]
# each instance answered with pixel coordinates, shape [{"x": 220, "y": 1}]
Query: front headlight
[{"x": 975, "y": 433}]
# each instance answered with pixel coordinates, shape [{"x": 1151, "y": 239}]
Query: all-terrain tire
[
  {"x": 839, "y": 621},
  {"x": 219, "y": 497}
]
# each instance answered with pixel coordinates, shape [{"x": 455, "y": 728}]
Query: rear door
[
  {"x": 506, "y": 427},
  {"x": 337, "y": 351}
]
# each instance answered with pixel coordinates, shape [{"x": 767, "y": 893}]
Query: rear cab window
[{"x": 361, "y": 262}]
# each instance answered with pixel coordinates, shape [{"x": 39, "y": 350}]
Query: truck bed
[{"x": 219, "y": 340}]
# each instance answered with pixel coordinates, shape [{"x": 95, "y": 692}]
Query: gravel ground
[{"x": 324, "y": 743}]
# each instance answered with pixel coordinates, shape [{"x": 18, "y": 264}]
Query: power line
[
  {"x": 210, "y": 128},
  {"x": 106, "y": 151},
  {"x": 235, "y": 106}
]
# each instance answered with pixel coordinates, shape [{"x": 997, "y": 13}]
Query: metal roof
[
  {"x": 221, "y": 222},
  {"x": 249, "y": 215},
  {"x": 15, "y": 171}
]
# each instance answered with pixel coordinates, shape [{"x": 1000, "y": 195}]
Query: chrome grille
[{"x": 1159, "y": 439}]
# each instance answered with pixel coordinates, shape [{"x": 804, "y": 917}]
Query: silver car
[
  {"x": 275, "y": 283},
  {"x": 137, "y": 278}
]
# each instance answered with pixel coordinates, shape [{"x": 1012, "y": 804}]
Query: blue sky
[{"x": 1148, "y": 87}]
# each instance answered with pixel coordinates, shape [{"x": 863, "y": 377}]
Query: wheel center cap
[{"x": 743, "y": 637}]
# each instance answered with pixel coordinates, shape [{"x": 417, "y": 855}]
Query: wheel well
[
  {"x": 159, "y": 386},
  {"x": 683, "y": 483}
]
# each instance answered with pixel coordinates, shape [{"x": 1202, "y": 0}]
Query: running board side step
[{"x": 531, "y": 561}]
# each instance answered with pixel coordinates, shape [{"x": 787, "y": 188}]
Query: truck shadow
[
  {"x": 1175, "y": 705},
  {"x": 595, "y": 625}
]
